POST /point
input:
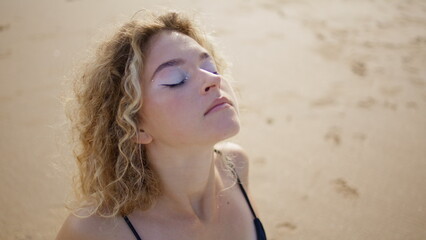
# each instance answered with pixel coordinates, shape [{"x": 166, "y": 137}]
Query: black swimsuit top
[{"x": 260, "y": 232}]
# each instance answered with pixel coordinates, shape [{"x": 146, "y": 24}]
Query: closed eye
[
  {"x": 173, "y": 77},
  {"x": 175, "y": 84}
]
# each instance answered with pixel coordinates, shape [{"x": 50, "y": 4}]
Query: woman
[{"x": 151, "y": 109}]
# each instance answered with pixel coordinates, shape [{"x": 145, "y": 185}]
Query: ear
[{"x": 143, "y": 137}]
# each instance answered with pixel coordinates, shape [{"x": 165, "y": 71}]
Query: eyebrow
[{"x": 177, "y": 62}]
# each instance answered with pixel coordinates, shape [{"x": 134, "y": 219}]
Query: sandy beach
[{"x": 333, "y": 110}]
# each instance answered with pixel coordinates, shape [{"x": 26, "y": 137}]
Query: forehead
[{"x": 167, "y": 45}]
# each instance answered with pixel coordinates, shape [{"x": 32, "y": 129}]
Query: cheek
[{"x": 168, "y": 111}]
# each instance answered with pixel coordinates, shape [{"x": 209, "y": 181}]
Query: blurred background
[{"x": 333, "y": 109}]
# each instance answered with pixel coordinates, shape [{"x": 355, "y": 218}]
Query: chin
[
  {"x": 219, "y": 127},
  {"x": 227, "y": 130}
]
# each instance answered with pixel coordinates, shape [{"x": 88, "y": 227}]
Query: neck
[{"x": 189, "y": 180}]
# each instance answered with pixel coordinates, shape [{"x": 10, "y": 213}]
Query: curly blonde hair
[{"x": 115, "y": 176}]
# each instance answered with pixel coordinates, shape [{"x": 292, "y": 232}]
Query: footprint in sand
[
  {"x": 333, "y": 135},
  {"x": 286, "y": 225},
  {"x": 270, "y": 121},
  {"x": 320, "y": 36},
  {"x": 411, "y": 105},
  {"x": 359, "y": 68},
  {"x": 390, "y": 105},
  {"x": 343, "y": 189},
  {"x": 419, "y": 41},
  {"x": 4, "y": 27},
  {"x": 5, "y": 54},
  {"x": 367, "y": 103},
  {"x": 417, "y": 82}
]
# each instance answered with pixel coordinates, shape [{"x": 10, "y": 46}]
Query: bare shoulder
[
  {"x": 239, "y": 158},
  {"x": 92, "y": 227},
  {"x": 77, "y": 228}
]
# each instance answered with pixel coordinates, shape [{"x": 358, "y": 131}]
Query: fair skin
[{"x": 199, "y": 198}]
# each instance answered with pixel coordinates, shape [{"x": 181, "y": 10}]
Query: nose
[{"x": 211, "y": 81}]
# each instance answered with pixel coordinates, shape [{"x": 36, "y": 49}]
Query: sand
[{"x": 333, "y": 110}]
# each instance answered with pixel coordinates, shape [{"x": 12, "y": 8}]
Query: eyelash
[
  {"x": 182, "y": 82},
  {"x": 176, "y": 84}
]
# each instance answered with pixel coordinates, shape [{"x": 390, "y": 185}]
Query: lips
[{"x": 218, "y": 103}]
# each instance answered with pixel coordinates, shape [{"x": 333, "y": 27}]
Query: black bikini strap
[
  {"x": 241, "y": 187},
  {"x": 132, "y": 228},
  {"x": 245, "y": 196}
]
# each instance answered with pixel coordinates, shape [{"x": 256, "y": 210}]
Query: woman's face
[{"x": 185, "y": 100}]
